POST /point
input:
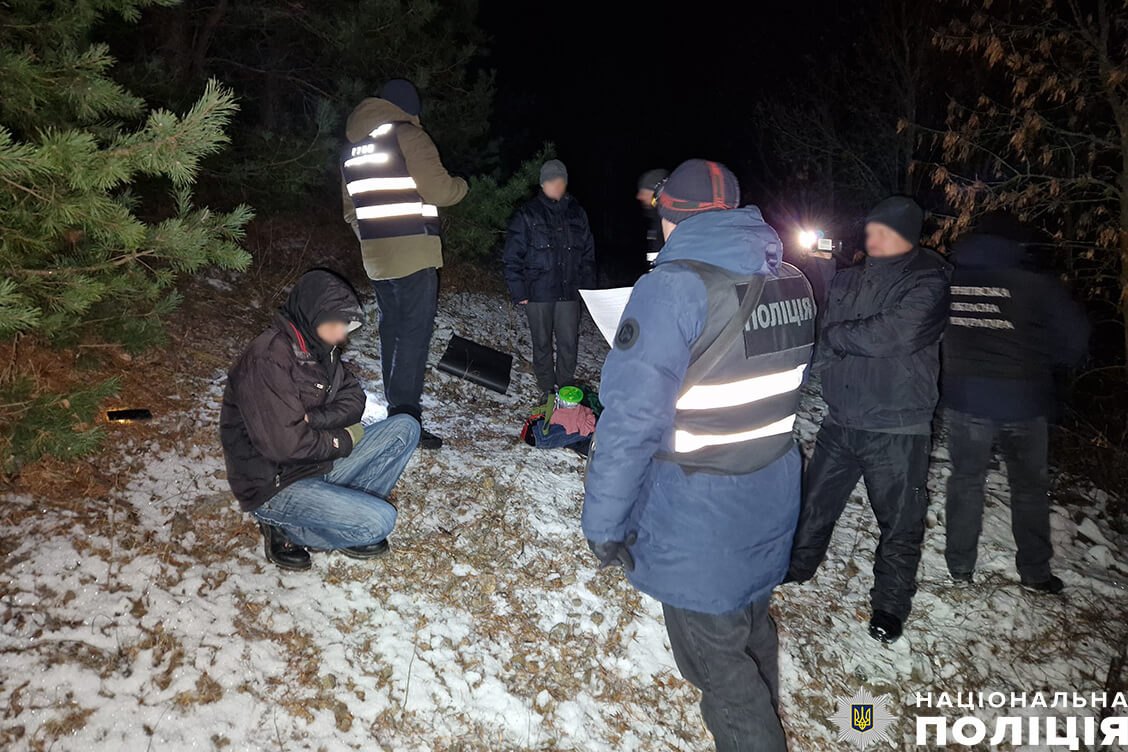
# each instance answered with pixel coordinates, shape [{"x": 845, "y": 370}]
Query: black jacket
[
  {"x": 1010, "y": 328},
  {"x": 549, "y": 251},
  {"x": 879, "y": 351},
  {"x": 287, "y": 374}
]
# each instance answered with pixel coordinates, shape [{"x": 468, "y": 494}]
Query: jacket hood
[
  {"x": 318, "y": 297},
  {"x": 738, "y": 240},
  {"x": 371, "y": 113},
  {"x": 988, "y": 252}
]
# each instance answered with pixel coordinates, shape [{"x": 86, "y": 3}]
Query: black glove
[{"x": 614, "y": 553}]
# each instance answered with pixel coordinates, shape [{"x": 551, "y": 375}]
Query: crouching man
[
  {"x": 298, "y": 458},
  {"x": 693, "y": 485}
]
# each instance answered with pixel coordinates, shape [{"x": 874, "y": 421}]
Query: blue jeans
[{"x": 347, "y": 507}]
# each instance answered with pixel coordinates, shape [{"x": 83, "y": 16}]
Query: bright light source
[{"x": 808, "y": 239}]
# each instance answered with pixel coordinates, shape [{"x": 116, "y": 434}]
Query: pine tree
[
  {"x": 80, "y": 249},
  {"x": 474, "y": 228}
]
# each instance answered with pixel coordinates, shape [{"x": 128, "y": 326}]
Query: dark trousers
[
  {"x": 1024, "y": 446},
  {"x": 895, "y": 468},
  {"x": 559, "y": 320},
  {"x": 734, "y": 660},
  {"x": 407, "y": 321}
]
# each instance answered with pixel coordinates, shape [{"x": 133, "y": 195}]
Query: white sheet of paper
[{"x": 606, "y": 308}]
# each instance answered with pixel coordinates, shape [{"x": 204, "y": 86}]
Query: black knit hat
[
  {"x": 651, "y": 179},
  {"x": 698, "y": 186},
  {"x": 403, "y": 94},
  {"x": 901, "y": 214}
]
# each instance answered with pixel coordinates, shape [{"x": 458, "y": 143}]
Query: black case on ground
[{"x": 477, "y": 363}]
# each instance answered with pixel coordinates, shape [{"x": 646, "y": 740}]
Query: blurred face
[
  {"x": 645, "y": 197},
  {"x": 883, "y": 241},
  {"x": 333, "y": 332},
  {"x": 554, "y": 188}
]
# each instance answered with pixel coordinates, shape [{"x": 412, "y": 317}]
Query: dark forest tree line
[{"x": 975, "y": 106}]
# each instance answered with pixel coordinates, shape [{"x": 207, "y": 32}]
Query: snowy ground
[{"x": 165, "y": 629}]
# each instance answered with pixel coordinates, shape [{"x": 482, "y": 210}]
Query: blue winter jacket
[{"x": 708, "y": 543}]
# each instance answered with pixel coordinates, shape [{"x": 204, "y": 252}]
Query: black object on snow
[{"x": 479, "y": 364}]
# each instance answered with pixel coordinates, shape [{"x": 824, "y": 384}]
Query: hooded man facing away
[
  {"x": 693, "y": 483},
  {"x": 879, "y": 356},
  {"x": 393, "y": 182},
  {"x": 1010, "y": 327},
  {"x": 298, "y": 458}
]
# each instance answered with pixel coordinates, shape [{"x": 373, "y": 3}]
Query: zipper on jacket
[{"x": 277, "y": 480}]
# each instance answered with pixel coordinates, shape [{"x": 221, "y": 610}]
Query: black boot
[
  {"x": 961, "y": 578},
  {"x": 1052, "y": 586},
  {"x": 428, "y": 440},
  {"x": 373, "y": 551},
  {"x": 280, "y": 550},
  {"x": 885, "y": 627}
]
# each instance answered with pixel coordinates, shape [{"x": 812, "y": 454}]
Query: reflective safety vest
[
  {"x": 387, "y": 202},
  {"x": 738, "y": 417}
]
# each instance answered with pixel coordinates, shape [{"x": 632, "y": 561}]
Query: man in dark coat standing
[
  {"x": 549, "y": 256},
  {"x": 1010, "y": 328},
  {"x": 879, "y": 356},
  {"x": 298, "y": 458}
]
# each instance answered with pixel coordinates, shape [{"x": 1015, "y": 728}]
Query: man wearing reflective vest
[
  {"x": 392, "y": 185},
  {"x": 693, "y": 484}
]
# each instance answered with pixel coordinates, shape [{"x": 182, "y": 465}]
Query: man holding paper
[
  {"x": 693, "y": 483},
  {"x": 549, "y": 256}
]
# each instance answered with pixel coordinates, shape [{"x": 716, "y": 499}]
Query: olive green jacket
[{"x": 392, "y": 258}]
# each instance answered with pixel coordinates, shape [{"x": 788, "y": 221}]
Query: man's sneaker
[
  {"x": 373, "y": 551},
  {"x": 1052, "y": 586},
  {"x": 885, "y": 627},
  {"x": 428, "y": 440},
  {"x": 961, "y": 578},
  {"x": 281, "y": 551}
]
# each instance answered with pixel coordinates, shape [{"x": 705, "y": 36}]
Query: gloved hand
[
  {"x": 356, "y": 432},
  {"x": 614, "y": 553}
]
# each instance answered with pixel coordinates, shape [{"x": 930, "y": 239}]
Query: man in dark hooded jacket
[
  {"x": 693, "y": 485},
  {"x": 549, "y": 256},
  {"x": 1010, "y": 328},
  {"x": 298, "y": 458},
  {"x": 879, "y": 356},
  {"x": 393, "y": 183}
]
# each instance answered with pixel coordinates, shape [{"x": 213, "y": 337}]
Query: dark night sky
[{"x": 621, "y": 87}]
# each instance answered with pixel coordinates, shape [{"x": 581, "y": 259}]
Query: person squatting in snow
[{"x": 298, "y": 459}]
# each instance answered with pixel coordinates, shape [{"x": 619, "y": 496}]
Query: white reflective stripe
[
  {"x": 377, "y": 158},
  {"x": 684, "y": 441},
  {"x": 368, "y": 185},
  {"x": 734, "y": 393},
  {"x": 382, "y": 130},
  {"x": 397, "y": 210},
  {"x": 980, "y": 323}
]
